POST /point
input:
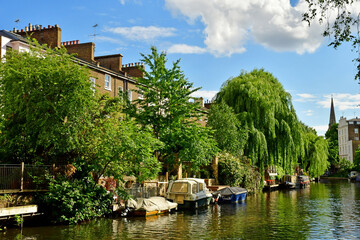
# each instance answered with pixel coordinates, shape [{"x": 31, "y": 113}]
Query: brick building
[
  {"x": 348, "y": 137},
  {"x": 107, "y": 72}
]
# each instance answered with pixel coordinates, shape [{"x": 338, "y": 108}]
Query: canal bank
[{"x": 326, "y": 210}]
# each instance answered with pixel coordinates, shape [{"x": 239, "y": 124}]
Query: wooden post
[
  {"x": 215, "y": 167},
  {"x": 22, "y": 176}
]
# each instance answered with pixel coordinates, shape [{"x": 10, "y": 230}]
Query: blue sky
[{"x": 216, "y": 40}]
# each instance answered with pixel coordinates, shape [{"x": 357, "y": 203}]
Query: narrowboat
[
  {"x": 289, "y": 181},
  {"x": 230, "y": 195},
  {"x": 189, "y": 193}
]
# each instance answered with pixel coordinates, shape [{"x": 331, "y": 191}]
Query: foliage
[
  {"x": 357, "y": 159},
  {"x": 44, "y": 98},
  {"x": 235, "y": 171},
  {"x": 166, "y": 108},
  {"x": 344, "y": 27},
  {"x": 331, "y": 136},
  {"x": 345, "y": 165},
  {"x": 267, "y": 119},
  {"x": 115, "y": 145},
  {"x": 265, "y": 111},
  {"x": 18, "y": 220},
  {"x": 73, "y": 201},
  {"x": 228, "y": 133}
]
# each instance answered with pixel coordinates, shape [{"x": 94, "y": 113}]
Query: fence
[
  {"x": 20, "y": 177},
  {"x": 151, "y": 189}
]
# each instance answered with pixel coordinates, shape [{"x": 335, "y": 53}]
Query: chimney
[{"x": 49, "y": 36}]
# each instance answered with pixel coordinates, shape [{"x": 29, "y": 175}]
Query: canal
[{"x": 326, "y": 210}]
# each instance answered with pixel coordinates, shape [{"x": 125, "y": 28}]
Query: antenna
[
  {"x": 17, "y": 23},
  {"x": 94, "y": 35}
]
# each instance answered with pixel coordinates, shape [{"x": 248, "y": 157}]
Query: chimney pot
[
  {"x": 30, "y": 26},
  {"x": 49, "y": 26},
  {"x": 26, "y": 29},
  {"x": 22, "y": 30},
  {"x": 77, "y": 41},
  {"x": 56, "y": 25},
  {"x": 40, "y": 27}
]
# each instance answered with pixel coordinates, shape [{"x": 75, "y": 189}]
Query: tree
[
  {"x": 343, "y": 28},
  {"x": 265, "y": 111},
  {"x": 228, "y": 133},
  {"x": 45, "y": 97},
  {"x": 274, "y": 134},
  {"x": 331, "y": 136},
  {"x": 168, "y": 108}
]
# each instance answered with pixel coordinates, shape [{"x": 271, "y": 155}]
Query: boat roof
[{"x": 230, "y": 191}]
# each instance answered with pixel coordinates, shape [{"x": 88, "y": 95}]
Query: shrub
[
  {"x": 73, "y": 201},
  {"x": 235, "y": 171}
]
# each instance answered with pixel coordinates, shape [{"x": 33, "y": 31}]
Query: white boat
[{"x": 189, "y": 193}]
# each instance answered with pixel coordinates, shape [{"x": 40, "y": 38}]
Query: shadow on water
[{"x": 327, "y": 210}]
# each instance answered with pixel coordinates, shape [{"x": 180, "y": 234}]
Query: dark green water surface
[{"x": 327, "y": 210}]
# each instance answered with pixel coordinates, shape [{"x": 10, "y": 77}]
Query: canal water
[{"x": 326, "y": 210}]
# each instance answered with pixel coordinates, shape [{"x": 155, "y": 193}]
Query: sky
[{"x": 215, "y": 40}]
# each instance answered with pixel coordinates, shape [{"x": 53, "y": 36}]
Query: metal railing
[{"x": 22, "y": 176}]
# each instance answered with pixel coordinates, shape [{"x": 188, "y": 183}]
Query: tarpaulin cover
[
  {"x": 229, "y": 191},
  {"x": 151, "y": 204}
]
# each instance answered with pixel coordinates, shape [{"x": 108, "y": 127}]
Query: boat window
[
  {"x": 194, "y": 188},
  {"x": 179, "y": 187},
  {"x": 201, "y": 187}
]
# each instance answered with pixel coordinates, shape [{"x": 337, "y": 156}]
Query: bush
[
  {"x": 73, "y": 201},
  {"x": 236, "y": 172}
]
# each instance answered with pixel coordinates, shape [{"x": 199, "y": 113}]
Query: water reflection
[{"x": 328, "y": 210}]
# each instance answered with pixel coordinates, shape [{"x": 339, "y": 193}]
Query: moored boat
[
  {"x": 189, "y": 193},
  {"x": 149, "y": 206},
  {"x": 303, "y": 181},
  {"x": 230, "y": 195}
]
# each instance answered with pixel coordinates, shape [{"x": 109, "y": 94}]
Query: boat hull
[
  {"x": 195, "y": 204},
  {"x": 234, "y": 198}
]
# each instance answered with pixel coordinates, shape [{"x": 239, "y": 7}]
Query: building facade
[
  {"x": 348, "y": 137},
  {"x": 107, "y": 73}
]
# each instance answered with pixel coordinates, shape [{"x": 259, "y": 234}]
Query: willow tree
[{"x": 265, "y": 111}]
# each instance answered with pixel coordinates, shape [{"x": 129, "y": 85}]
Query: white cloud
[
  {"x": 309, "y": 112},
  {"x": 184, "y": 48},
  {"x": 207, "y": 95},
  {"x": 109, "y": 39},
  {"x": 321, "y": 129},
  {"x": 139, "y": 33},
  {"x": 305, "y": 97},
  {"x": 229, "y": 24},
  {"x": 342, "y": 101}
]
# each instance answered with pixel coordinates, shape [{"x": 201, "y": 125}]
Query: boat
[
  {"x": 149, "y": 206},
  {"x": 289, "y": 181},
  {"x": 189, "y": 193},
  {"x": 303, "y": 181},
  {"x": 353, "y": 174},
  {"x": 230, "y": 195}
]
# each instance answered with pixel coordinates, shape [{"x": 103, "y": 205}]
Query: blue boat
[{"x": 230, "y": 195}]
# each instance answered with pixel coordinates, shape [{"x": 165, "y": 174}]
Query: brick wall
[
  {"x": 133, "y": 69},
  {"x": 112, "y": 62},
  {"x": 84, "y": 51},
  {"x": 50, "y": 35}
]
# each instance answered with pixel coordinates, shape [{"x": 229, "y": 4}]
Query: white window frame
[
  {"x": 129, "y": 92},
  {"x": 356, "y": 130},
  {"x": 93, "y": 83},
  {"x": 107, "y": 84}
]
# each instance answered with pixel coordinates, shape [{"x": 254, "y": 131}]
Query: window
[
  {"x": 129, "y": 92},
  {"x": 356, "y": 130},
  {"x": 356, "y": 138},
  {"x": 92, "y": 80},
  {"x": 107, "y": 82}
]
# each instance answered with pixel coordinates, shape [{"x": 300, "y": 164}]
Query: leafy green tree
[
  {"x": 227, "y": 129},
  {"x": 45, "y": 97},
  {"x": 265, "y": 111},
  {"x": 115, "y": 145},
  {"x": 267, "y": 119},
  {"x": 331, "y": 136},
  {"x": 341, "y": 22},
  {"x": 170, "y": 111}
]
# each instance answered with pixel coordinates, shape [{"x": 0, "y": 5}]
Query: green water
[{"x": 328, "y": 210}]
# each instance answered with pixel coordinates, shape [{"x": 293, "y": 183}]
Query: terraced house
[{"x": 107, "y": 73}]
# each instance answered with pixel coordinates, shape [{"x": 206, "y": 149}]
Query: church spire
[{"x": 332, "y": 113}]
